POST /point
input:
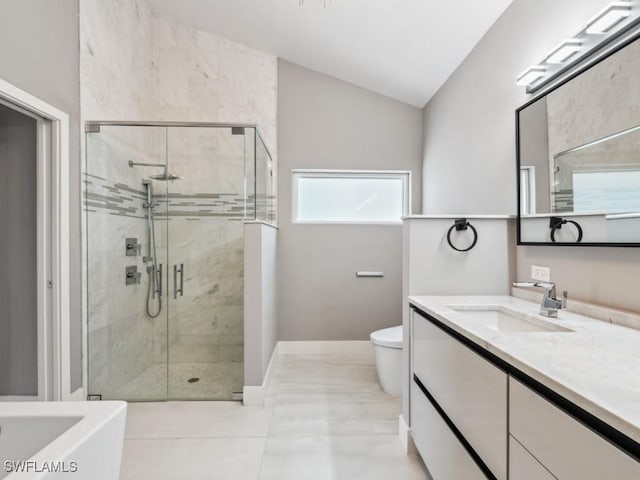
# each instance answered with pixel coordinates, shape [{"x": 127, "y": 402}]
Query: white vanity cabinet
[
  {"x": 523, "y": 465},
  {"x": 476, "y": 416},
  {"x": 440, "y": 449},
  {"x": 568, "y": 449},
  {"x": 470, "y": 391}
]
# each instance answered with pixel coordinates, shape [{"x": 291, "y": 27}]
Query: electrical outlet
[{"x": 542, "y": 274}]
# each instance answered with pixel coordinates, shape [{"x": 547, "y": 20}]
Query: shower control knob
[
  {"x": 132, "y": 276},
  {"x": 132, "y": 247}
]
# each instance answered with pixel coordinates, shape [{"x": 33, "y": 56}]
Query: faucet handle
[
  {"x": 534, "y": 284},
  {"x": 564, "y": 299}
]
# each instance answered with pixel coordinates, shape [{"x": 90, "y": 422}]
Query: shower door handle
[
  {"x": 159, "y": 292},
  {"x": 177, "y": 290}
]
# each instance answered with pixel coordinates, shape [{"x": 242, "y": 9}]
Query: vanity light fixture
[
  {"x": 564, "y": 51},
  {"x": 608, "y": 18},
  {"x": 610, "y": 24},
  {"x": 531, "y": 75}
]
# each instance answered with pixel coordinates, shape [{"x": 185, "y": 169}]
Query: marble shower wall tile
[
  {"x": 115, "y": 60},
  {"x": 600, "y": 102},
  {"x": 200, "y": 76}
]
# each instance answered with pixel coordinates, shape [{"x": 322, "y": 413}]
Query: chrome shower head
[{"x": 165, "y": 176}]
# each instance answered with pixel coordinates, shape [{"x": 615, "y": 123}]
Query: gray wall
[
  {"x": 469, "y": 157},
  {"x": 39, "y": 54},
  {"x": 18, "y": 247},
  {"x": 330, "y": 124}
]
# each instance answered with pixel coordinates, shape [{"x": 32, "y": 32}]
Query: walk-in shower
[{"x": 165, "y": 205}]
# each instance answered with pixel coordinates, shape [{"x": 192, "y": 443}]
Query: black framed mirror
[{"x": 578, "y": 156}]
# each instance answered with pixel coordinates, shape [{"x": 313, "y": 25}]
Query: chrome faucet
[{"x": 550, "y": 304}]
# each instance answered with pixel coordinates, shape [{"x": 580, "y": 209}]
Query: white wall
[
  {"x": 330, "y": 124},
  {"x": 469, "y": 154}
]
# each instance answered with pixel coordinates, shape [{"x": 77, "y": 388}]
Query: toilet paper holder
[{"x": 370, "y": 274}]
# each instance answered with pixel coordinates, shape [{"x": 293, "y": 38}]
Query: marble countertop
[{"x": 597, "y": 366}]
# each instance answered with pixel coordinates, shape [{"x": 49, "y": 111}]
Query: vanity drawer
[
  {"x": 567, "y": 448},
  {"x": 442, "y": 453},
  {"x": 470, "y": 390},
  {"x": 523, "y": 466}
]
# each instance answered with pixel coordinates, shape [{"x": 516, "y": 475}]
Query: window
[{"x": 341, "y": 196}]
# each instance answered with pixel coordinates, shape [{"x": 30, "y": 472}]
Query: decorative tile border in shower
[
  {"x": 563, "y": 201},
  {"x": 103, "y": 195}
]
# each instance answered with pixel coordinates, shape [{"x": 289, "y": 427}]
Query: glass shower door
[
  {"x": 206, "y": 250},
  {"x": 126, "y": 316},
  {"x": 164, "y": 260}
]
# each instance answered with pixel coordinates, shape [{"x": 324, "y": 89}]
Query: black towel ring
[
  {"x": 555, "y": 223},
  {"x": 459, "y": 225}
]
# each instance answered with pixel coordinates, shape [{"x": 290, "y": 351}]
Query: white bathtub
[{"x": 61, "y": 440}]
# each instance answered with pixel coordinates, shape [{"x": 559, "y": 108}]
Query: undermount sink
[{"x": 502, "y": 319}]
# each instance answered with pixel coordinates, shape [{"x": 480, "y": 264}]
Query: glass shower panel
[
  {"x": 250, "y": 173},
  {"x": 125, "y": 206},
  {"x": 264, "y": 188},
  {"x": 206, "y": 250}
]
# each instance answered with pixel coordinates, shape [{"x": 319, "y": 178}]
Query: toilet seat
[{"x": 388, "y": 337}]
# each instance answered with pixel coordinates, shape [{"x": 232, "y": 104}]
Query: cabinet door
[
  {"x": 442, "y": 453},
  {"x": 567, "y": 448},
  {"x": 471, "y": 390},
  {"x": 523, "y": 466}
]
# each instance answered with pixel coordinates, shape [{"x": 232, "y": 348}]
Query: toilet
[{"x": 387, "y": 347}]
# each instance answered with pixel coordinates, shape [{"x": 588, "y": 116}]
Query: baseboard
[
  {"x": 254, "y": 396},
  {"x": 325, "y": 347},
  {"x": 404, "y": 432}
]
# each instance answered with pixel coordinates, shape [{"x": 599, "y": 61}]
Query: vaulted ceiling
[{"x": 405, "y": 49}]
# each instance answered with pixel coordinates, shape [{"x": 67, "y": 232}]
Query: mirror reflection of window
[
  {"x": 527, "y": 190},
  {"x": 613, "y": 192}
]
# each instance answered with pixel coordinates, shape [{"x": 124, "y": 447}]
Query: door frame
[{"x": 53, "y": 292}]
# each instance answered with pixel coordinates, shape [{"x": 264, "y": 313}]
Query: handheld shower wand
[{"x": 154, "y": 270}]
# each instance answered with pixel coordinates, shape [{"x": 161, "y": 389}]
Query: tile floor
[{"x": 325, "y": 418}]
